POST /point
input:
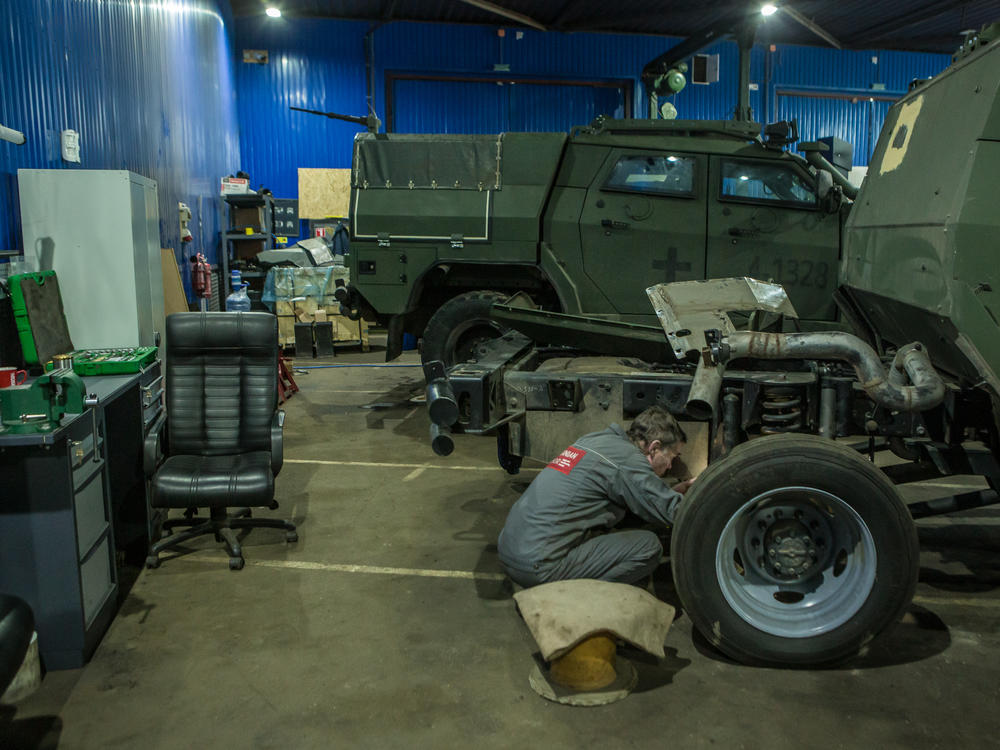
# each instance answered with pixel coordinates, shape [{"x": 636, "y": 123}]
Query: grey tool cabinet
[{"x": 67, "y": 496}]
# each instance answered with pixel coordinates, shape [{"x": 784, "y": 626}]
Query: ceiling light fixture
[
  {"x": 273, "y": 12},
  {"x": 768, "y": 10}
]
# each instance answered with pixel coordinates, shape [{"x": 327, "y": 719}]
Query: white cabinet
[{"x": 99, "y": 230}]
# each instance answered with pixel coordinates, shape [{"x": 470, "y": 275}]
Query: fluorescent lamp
[
  {"x": 273, "y": 12},
  {"x": 768, "y": 10}
]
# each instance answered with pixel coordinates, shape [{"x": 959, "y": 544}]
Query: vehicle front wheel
[
  {"x": 793, "y": 550},
  {"x": 459, "y": 328}
]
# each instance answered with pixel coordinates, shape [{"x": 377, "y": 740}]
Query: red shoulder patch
[{"x": 566, "y": 460}]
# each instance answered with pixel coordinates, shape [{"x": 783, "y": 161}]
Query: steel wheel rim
[
  {"x": 833, "y": 588},
  {"x": 463, "y": 339}
]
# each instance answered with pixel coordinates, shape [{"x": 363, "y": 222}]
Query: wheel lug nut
[{"x": 772, "y": 552}]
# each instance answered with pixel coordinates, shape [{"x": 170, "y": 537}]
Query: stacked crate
[{"x": 305, "y": 295}]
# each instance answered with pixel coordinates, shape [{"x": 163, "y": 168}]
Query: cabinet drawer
[
  {"x": 91, "y": 513},
  {"x": 96, "y": 580},
  {"x": 81, "y": 456}
]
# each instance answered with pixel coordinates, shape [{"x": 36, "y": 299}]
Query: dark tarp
[{"x": 454, "y": 162}]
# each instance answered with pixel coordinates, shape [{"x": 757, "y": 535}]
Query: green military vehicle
[
  {"x": 442, "y": 226},
  {"x": 792, "y": 547}
]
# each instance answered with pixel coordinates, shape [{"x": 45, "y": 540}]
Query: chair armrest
[
  {"x": 277, "y": 450},
  {"x": 152, "y": 446}
]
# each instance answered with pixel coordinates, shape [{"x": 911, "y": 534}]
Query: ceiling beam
[
  {"x": 892, "y": 26},
  {"x": 814, "y": 27},
  {"x": 512, "y": 15}
]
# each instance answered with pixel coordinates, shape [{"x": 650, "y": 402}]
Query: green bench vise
[{"x": 40, "y": 405}]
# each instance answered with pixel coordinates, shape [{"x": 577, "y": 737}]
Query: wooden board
[
  {"x": 174, "y": 299},
  {"x": 324, "y": 193}
]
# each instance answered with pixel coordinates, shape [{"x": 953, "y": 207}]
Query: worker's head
[{"x": 656, "y": 433}]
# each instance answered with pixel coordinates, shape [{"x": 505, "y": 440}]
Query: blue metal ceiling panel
[{"x": 148, "y": 86}]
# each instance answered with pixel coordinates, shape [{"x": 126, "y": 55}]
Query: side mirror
[
  {"x": 824, "y": 184},
  {"x": 829, "y": 195}
]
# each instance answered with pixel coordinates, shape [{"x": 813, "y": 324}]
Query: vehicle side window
[
  {"x": 766, "y": 183},
  {"x": 663, "y": 174}
]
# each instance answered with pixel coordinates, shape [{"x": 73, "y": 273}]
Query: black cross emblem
[{"x": 670, "y": 265}]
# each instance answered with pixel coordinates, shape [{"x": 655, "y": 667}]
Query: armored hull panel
[{"x": 922, "y": 243}]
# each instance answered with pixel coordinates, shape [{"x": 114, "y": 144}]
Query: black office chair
[{"x": 222, "y": 428}]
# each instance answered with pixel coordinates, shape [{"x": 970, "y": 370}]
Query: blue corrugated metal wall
[
  {"x": 149, "y": 87},
  {"x": 321, "y": 64},
  {"x": 427, "y": 106},
  {"x": 314, "y": 64}
]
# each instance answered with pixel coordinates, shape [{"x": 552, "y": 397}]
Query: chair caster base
[
  {"x": 236, "y": 563},
  {"x": 153, "y": 561},
  {"x": 291, "y": 536}
]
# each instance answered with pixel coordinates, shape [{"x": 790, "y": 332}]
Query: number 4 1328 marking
[{"x": 791, "y": 272}]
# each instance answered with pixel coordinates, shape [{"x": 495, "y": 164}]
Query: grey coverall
[{"x": 553, "y": 530}]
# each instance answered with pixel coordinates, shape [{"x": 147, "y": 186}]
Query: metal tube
[
  {"x": 927, "y": 389},
  {"x": 14, "y": 136},
  {"x": 828, "y": 410},
  {"x": 442, "y": 406},
  {"x": 441, "y": 440},
  {"x": 703, "y": 398},
  {"x": 820, "y": 162},
  {"x": 730, "y": 420}
]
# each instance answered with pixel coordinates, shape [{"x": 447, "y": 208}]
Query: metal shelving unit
[{"x": 249, "y": 211}]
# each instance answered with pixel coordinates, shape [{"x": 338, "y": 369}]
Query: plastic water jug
[{"x": 238, "y": 301}]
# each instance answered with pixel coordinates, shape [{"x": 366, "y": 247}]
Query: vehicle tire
[
  {"x": 793, "y": 551},
  {"x": 459, "y": 328}
]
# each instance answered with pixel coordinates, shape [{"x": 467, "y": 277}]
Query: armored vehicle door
[
  {"x": 643, "y": 223},
  {"x": 764, "y": 221}
]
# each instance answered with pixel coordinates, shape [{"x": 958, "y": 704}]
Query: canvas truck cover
[
  {"x": 452, "y": 188},
  {"x": 450, "y": 162}
]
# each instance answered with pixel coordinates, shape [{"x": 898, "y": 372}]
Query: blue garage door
[
  {"x": 457, "y": 106},
  {"x": 856, "y": 120}
]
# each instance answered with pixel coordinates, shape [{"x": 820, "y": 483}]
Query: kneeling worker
[{"x": 555, "y": 530}]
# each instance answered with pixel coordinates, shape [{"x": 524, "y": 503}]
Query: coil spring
[{"x": 781, "y": 410}]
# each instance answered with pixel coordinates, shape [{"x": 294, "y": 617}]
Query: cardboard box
[{"x": 234, "y": 186}]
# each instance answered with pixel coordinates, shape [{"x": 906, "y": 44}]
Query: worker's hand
[{"x": 684, "y": 486}]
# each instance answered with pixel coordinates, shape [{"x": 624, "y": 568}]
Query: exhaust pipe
[
  {"x": 703, "y": 398},
  {"x": 441, "y": 440},
  {"x": 926, "y": 389}
]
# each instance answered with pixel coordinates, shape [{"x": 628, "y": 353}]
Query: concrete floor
[{"x": 389, "y": 625}]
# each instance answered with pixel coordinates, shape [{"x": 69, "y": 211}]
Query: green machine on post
[{"x": 40, "y": 405}]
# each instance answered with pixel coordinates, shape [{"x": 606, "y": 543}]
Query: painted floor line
[
  {"x": 414, "y": 474},
  {"x": 473, "y": 575},
  {"x": 387, "y": 465},
  {"x": 343, "y": 568},
  {"x": 939, "y": 600}
]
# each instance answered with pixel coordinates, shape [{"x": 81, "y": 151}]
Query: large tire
[
  {"x": 793, "y": 551},
  {"x": 456, "y": 332}
]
